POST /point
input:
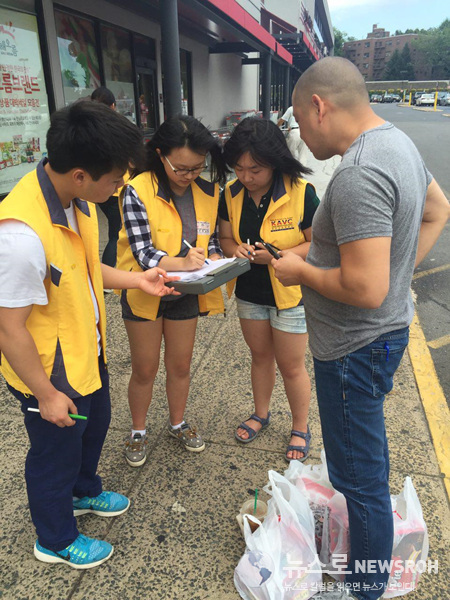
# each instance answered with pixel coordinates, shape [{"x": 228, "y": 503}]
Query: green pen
[{"x": 79, "y": 417}]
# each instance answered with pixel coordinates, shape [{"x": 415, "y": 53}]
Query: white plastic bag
[
  {"x": 335, "y": 547},
  {"x": 314, "y": 483},
  {"x": 285, "y": 540},
  {"x": 411, "y": 542}
]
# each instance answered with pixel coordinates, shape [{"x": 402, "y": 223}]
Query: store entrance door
[{"x": 147, "y": 92}]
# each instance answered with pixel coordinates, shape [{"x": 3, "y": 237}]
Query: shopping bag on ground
[
  {"x": 411, "y": 543},
  {"x": 254, "y": 576},
  {"x": 313, "y": 482},
  {"x": 410, "y": 546},
  {"x": 335, "y": 548},
  {"x": 281, "y": 555}
]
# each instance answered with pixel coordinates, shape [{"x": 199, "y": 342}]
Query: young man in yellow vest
[{"x": 52, "y": 322}]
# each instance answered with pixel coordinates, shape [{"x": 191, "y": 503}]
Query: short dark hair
[
  {"x": 179, "y": 132},
  {"x": 104, "y": 95},
  {"x": 91, "y": 136},
  {"x": 266, "y": 145}
]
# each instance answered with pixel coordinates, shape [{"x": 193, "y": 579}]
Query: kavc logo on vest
[{"x": 282, "y": 224}]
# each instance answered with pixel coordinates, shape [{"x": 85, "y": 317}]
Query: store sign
[{"x": 24, "y": 114}]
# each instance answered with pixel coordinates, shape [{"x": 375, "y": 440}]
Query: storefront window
[
  {"x": 24, "y": 113},
  {"x": 78, "y": 56},
  {"x": 145, "y": 58},
  {"x": 116, "y": 53}
]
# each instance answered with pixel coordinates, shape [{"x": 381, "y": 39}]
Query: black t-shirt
[{"x": 255, "y": 285}]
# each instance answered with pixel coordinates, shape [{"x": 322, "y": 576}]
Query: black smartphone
[{"x": 272, "y": 249}]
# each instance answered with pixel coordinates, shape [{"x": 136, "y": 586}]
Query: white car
[{"x": 425, "y": 100}]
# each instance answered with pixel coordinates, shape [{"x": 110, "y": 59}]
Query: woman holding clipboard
[
  {"x": 169, "y": 219},
  {"x": 269, "y": 202}
]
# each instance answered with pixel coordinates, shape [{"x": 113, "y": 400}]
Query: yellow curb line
[
  {"x": 430, "y": 272},
  {"x": 432, "y": 396},
  {"x": 440, "y": 342}
]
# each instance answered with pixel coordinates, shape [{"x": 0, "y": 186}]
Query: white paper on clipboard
[{"x": 196, "y": 275}]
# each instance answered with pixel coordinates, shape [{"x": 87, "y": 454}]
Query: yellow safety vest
[
  {"x": 64, "y": 330},
  {"x": 166, "y": 230},
  {"x": 280, "y": 227}
]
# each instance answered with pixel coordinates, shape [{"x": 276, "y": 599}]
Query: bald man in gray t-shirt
[
  {"x": 375, "y": 192},
  {"x": 381, "y": 214}
]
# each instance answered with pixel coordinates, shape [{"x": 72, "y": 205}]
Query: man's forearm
[
  {"x": 20, "y": 351},
  {"x": 428, "y": 236},
  {"x": 333, "y": 284},
  {"x": 435, "y": 215},
  {"x": 121, "y": 280}
]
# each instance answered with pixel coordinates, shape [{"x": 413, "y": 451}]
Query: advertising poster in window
[
  {"x": 78, "y": 56},
  {"x": 24, "y": 114},
  {"x": 119, "y": 70}
]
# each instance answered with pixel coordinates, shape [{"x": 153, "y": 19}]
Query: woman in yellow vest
[
  {"x": 170, "y": 219},
  {"x": 269, "y": 201}
]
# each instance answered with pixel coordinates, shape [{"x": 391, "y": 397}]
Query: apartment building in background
[{"x": 372, "y": 54}]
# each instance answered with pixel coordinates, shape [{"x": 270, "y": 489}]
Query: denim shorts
[
  {"x": 290, "y": 320},
  {"x": 181, "y": 309}
]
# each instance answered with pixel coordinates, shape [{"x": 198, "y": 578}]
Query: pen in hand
[
  {"x": 248, "y": 252},
  {"x": 189, "y": 246},
  {"x": 80, "y": 417}
]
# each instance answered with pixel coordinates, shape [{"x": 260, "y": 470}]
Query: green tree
[
  {"x": 435, "y": 49},
  {"x": 407, "y": 68},
  {"x": 393, "y": 69},
  {"x": 340, "y": 37}
]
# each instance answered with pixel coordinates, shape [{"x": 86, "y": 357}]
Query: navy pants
[
  {"x": 62, "y": 463},
  {"x": 350, "y": 394}
]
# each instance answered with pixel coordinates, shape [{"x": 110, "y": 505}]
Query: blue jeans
[
  {"x": 350, "y": 394},
  {"x": 62, "y": 463}
]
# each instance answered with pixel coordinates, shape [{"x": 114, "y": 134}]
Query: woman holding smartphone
[
  {"x": 170, "y": 219},
  {"x": 269, "y": 201}
]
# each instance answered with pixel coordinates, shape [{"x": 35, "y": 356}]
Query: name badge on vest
[{"x": 203, "y": 228}]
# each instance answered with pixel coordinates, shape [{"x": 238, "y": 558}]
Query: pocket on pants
[{"x": 384, "y": 364}]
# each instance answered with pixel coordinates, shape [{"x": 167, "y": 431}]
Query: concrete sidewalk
[{"x": 180, "y": 539}]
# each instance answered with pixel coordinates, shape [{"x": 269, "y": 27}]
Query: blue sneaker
[
  {"x": 83, "y": 553},
  {"x": 106, "y": 504}
]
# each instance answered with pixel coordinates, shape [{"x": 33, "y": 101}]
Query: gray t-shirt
[
  {"x": 186, "y": 209},
  {"x": 378, "y": 190}
]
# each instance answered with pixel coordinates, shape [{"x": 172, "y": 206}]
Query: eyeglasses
[{"x": 182, "y": 172}]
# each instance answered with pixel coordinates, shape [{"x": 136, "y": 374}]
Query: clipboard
[{"x": 213, "y": 279}]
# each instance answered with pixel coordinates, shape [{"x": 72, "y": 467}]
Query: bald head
[{"x": 335, "y": 79}]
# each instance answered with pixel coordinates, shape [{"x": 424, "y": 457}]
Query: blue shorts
[{"x": 290, "y": 320}]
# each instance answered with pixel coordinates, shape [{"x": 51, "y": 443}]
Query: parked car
[
  {"x": 388, "y": 98},
  {"x": 416, "y": 96},
  {"x": 376, "y": 98},
  {"x": 425, "y": 100},
  {"x": 397, "y": 98},
  {"x": 443, "y": 98}
]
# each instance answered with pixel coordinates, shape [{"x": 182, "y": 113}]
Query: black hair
[
  {"x": 266, "y": 145},
  {"x": 91, "y": 136},
  {"x": 179, "y": 132},
  {"x": 104, "y": 95}
]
